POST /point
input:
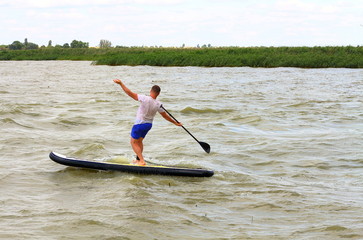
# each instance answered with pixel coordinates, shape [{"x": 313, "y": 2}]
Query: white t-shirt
[{"x": 147, "y": 109}]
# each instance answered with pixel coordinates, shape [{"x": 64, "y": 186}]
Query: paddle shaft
[{"x": 178, "y": 122}]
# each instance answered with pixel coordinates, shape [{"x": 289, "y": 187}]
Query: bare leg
[{"x": 138, "y": 148}]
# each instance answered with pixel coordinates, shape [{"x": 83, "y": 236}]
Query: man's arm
[
  {"x": 126, "y": 90},
  {"x": 168, "y": 118}
]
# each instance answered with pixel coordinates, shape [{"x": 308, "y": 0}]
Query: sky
[{"x": 173, "y": 23}]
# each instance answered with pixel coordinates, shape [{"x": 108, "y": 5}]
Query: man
[{"x": 144, "y": 118}]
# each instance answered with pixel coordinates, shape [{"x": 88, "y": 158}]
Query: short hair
[{"x": 156, "y": 89}]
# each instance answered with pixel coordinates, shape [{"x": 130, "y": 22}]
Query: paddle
[{"x": 204, "y": 145}]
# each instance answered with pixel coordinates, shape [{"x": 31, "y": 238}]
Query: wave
[
  {"x": 76, "y": 121},
  {"x": 11, "y": 121},
  {"x": 90, "y": 151},
  {"x": 247, "y": 119},
  {"x": 268, "y": 163},
  {"x": 18, "y": 109},
  {"x": 69, "y": 122},
  {"x": 188, "y": 110},
  {"x": 311, "y": 103},
  {"x": 267, "y": 206},
  {"x": 335, "y": 228},
  {"x": 301, "y": 105},
  {"x": 99, "y": 101}
]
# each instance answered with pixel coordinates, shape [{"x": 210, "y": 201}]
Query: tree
[
  {"x": 105, "y": 44},
  {"x": 16, "y": 45},
  {"x": 31, "y": 45},
  {"x": 66, "y": 45},
  {"x": 79, "y": 44},
  {"x": 50, "y": 43}
]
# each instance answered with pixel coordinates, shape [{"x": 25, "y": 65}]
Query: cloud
[
  {"x": 83, "y": 3},
  {"x": 174, "y": 22}
]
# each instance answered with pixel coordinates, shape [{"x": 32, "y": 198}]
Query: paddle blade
[{"x": 205, "y": 146}]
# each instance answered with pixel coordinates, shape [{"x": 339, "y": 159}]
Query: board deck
[{"x": 148, "y": 169}]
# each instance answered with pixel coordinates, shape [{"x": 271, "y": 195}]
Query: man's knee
[{"x": 136, "y": 141}]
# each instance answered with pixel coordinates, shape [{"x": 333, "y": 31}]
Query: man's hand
[
  {"x": 126, "y": 90},
  {"x": 178, "y": 124},
  {"x": 118, "y": 81}
]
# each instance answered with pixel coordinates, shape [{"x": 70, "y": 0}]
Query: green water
[{"x": 286, "y": 151}]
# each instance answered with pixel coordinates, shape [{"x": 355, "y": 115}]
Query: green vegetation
[
  {"x": 303, "y": 57},
  {"x": 17, "y": 45},
  {"x": 54, "y": 53}
]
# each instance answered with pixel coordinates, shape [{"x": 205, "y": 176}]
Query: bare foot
[
  {"x": 138, "y": 162},
  {"x": 142, "y": 163}
]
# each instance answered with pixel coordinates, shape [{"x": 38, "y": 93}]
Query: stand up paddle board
[{"x": 149, "y": 169}]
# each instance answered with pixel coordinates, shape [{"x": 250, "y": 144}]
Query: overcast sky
[{"x": 190, "y": 22}]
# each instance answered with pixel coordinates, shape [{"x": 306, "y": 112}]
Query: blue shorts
[{"x": 140, "y": 130}]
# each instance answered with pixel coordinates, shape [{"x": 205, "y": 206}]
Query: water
[{"x": 286, "y": 150}]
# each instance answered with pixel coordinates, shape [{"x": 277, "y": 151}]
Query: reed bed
[{"x": 302, "y": 57}]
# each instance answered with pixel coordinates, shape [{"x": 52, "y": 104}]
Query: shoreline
[{"x": 265, "y": 57}]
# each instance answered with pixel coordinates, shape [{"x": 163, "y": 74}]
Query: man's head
[{"x": 155, "y": 91}]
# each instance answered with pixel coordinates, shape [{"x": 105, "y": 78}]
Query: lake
[{"x": 286, "y": 148}]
